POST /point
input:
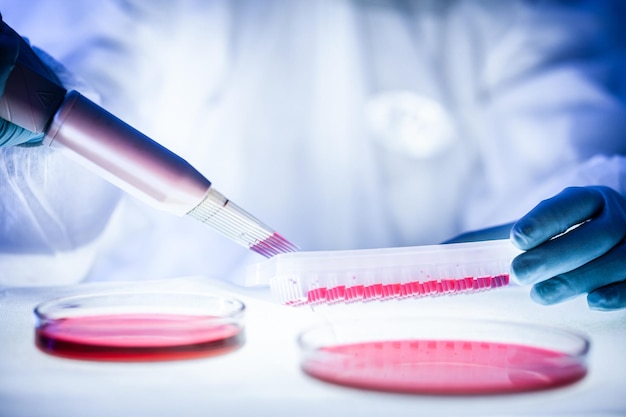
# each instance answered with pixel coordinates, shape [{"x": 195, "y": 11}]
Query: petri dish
[
  {"x": 139, "y": 326},
  {"x": 443, "y": 356}
]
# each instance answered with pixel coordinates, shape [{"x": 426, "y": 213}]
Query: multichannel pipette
[{"x": 35, "y": 100}]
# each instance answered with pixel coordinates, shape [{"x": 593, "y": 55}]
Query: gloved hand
[
  {"x": 575, "y": 244},
  {"x": 11, "y": 134},
  {"x": 53, "y": 211}
]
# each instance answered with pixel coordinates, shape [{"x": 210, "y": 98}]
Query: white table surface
[{"x": 263, "y": 377}]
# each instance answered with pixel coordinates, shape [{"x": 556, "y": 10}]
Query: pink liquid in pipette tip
[
  {"x": 137, "y": 337},
  {"x": 381, "y": 291},
  {"x": 444, "y": 367},
  {"x": 273, "y": 245}
]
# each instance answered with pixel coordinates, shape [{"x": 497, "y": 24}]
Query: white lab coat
[{"x": 343, "y": 124}]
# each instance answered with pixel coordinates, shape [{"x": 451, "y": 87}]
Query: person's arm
[
  {"x": 550, "y": 106},
  {"x": 555, "y": 119},
  {"x": 53, "y": 211}
]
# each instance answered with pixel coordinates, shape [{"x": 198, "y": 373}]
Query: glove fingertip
[
  {"x": 609, "y": 298},
  {"x": 539, "y": 296},
  {"x": 13, "y": 135},
  {"x": 521, "y": 270},
  {"x": 553, "y": 291},
  {"x": 521, "y": 235}
]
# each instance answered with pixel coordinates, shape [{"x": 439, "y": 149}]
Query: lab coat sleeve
[{"x": 550, "y": 106}]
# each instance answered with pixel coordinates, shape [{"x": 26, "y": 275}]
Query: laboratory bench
[{"x": 263, "y": 376}]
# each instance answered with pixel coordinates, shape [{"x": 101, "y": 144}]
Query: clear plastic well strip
[{"x": 303, "y": 278}]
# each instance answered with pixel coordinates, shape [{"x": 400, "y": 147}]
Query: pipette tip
[
  {"x": 273, "y": 245},
  {"x": 239, "y": 226}
]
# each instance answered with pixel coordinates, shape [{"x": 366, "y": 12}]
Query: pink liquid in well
[
  {"x": 137, "y": 337},
  {"x": 381, "y": 291},
  {"x": 446, "y": 367}
]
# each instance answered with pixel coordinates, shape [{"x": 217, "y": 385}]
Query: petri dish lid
[
  {"x": 443, "y": 356},
  {"x": 139, "y": 326}
]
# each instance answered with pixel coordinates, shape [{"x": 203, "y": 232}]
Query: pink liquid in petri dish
[
  {"x": 444, "y": 367},
  {"x": 138, "y": 337}
]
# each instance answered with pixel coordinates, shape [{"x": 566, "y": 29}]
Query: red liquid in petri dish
[
  {"x": 138, "y": 337},
  {"x": 444, "y": 367}
]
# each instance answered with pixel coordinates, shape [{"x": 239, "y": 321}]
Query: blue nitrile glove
[
  {"x": 11, "y": 134},
  {"x": 563, "y": 261}
]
